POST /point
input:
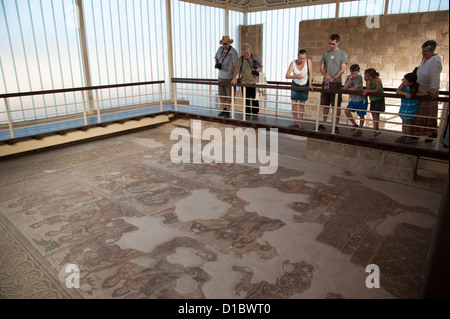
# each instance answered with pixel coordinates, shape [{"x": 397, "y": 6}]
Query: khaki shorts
[{"x": 225, "y": 91}]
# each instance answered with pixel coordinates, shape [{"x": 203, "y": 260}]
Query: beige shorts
[{"x": 224, "y": 90}]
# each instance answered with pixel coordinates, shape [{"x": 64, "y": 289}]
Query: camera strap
[
  {"x": 225, "y": 54},
  {"x": 240, "y": 70},
  {"x": 251, "y": 66}
]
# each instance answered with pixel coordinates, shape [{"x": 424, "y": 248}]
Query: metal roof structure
[{"x": 260, "y": 5}]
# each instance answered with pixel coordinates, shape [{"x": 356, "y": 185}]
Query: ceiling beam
[{"x": 245, "y": 5}]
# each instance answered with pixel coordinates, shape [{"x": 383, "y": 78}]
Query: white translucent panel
[
  {"x": 127, "y": 43},
  {"x": 412, "y": 6},
  {"x": 361, "y": 8},
  {"x": 197, "y": 31},
  {"x": 281, "y": 33}
]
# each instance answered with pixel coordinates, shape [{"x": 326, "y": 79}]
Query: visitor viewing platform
[{"x": 63, "y": 111}]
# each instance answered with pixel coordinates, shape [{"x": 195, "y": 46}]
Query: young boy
[{"x": 358, "y": 102}]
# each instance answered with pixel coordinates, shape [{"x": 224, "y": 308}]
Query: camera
[
  {"x": 218, "y": 66},
  {"x": 256, "y": 65}
]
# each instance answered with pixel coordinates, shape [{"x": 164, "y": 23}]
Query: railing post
[
  {"x": 175, "y": 96},
  {"x": 232, "y": 102},
  {"x": 160, "y": 97},
  {"x": 333, "y": 126},
  {"x": 244, "y": 115},
  {"x": 210, "y": 98},
  {"x": 99, "y": 120},
  {"x": 8, "y": 114},
  {"x": 317, "y": 114},
  {"x": 276, "y": 103},
  {"x": 84, "y": 107},
  {"x": 265, "y": 101}
]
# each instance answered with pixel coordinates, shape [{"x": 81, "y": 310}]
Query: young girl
[
  {"x": 377, "y": 103},
  {"x": 410, "y": 88},
  {"x": 300, "y": 71}
]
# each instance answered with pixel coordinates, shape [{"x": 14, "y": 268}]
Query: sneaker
[
  {"x": 227, "y": 115},
  {"x": 355, "y": 127},
  {"x": 336, "y": 130},
  {"x": 223, "y": 112},
  {"x": 401, "y": 139},
  {"x": 255, "y": 116},
  {"x": 322, "y": 127}
]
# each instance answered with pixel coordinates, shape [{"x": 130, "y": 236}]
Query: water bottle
[{"x": 262, "y": 78}]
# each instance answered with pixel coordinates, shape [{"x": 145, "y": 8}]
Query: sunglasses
[{"x": 332, "y": 43}]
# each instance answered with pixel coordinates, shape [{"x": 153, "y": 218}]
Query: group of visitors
[
  {"x": 419, "y": 117},
  {"x": 248, "y": 67}
]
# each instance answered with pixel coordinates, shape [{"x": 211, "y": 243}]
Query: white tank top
[{"x": 303, "y": 72}]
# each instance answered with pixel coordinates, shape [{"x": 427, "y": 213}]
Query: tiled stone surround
[{"x": 383, "y": 164}]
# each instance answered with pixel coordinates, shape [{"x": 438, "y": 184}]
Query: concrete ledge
[
  {"x": 373, "y": 162},
  {"x": 57, "y": 139}
]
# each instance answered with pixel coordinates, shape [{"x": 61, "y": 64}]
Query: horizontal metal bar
[
  {"x": 99, "y": 87},
  {"x": 211, "y": 81},
  {"x": 317, "y": 88}
]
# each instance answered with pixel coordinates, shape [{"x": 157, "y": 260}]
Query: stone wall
[
  {"x": 393, "y": 49},
  {"x": 372, "y": 162},
  {"x": 253, "y": 35}
]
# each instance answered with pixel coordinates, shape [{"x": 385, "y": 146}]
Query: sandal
[
  {"x": 301, "y": 127},
  {"x": 357, "y": 133},
  {"x": 374, "y": 135},
  {"x": 410, "y": 140},
  {"x": 292, "y": 125},
  {"x": 355, "y": 127}
]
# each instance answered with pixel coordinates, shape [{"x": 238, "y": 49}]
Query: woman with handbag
[{"x": 300, "y": 71}]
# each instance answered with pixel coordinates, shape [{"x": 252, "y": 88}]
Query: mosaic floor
[{"x": 139, "y": 226}]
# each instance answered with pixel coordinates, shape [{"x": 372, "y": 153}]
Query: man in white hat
[{"x": 226, "y": 57}]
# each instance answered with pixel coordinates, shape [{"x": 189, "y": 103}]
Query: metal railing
[
  {"x": 92, "y": 105},
  {"x": 88, "y": 104},
  {"x": 203, "y": 94}
]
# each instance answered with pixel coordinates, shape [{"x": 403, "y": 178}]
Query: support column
[
  {"x": 227, "y": 19},
  {"x": 169, "y": 44},
  {"x": 84, "y": 54},
  {"x": 337, "y": 9}
]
